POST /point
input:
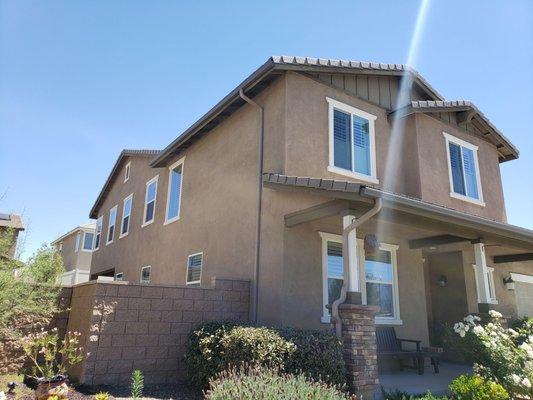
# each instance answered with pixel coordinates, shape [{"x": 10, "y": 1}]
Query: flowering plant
[
  {"x": 502, "y": 355},
  {"x": 50, "y": 354}
]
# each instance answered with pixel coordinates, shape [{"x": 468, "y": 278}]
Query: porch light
[
  {"x": 371, "y": 244},
  {"x": 509, "y": 283},
  {"x": 442, "y": 281}
]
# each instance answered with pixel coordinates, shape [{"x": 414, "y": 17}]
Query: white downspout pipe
[
  {"x": 378, "y": 204},
  {"x": 255, "y": 284}
]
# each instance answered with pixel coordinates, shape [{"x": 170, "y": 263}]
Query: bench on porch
[{"x": 389, "y": 346}]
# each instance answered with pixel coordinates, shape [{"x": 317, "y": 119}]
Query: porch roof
[{"x": 351, "y": 196}]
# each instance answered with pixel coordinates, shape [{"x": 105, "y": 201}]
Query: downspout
[
  {"x": 378, "y": 204},
  {"x": 255, "y": 285}
]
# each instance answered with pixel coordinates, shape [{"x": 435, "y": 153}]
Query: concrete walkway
[{"x": 409, "y": 381}]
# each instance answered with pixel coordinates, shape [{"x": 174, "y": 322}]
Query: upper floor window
[
  {"x": 126, "y": 213},
  {"x": 352, "y": 148},
  {"x": 78, "y": 241},
  {"x": 463, "y": 168},
  {"x": 150, "y": 200},
  {"x": 88, "y": 241},
  {"x": 119, "y": 276},
  {"x": 98, "y": 232},
  {"x": 194, "y": 268},
  {"x": 379, "y": 282},
  {"x": 174, "y": 191},
  {"x": 127, "y": 171},
  {"x": 111, "y": 226},
  {"x": 145, "y": 274}
]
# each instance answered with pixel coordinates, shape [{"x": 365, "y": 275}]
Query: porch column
[
  {"x": 351, "y": 261},
  {"x": 482, "y": 276}
]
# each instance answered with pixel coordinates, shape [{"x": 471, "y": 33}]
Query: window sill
[
  {"x": 147, "y": 223},
  {"x": 108, "y": 243},
  {"x": 192, "y": 283},
  {"x": 326, "y": 319},
  {"x": 123, "y": 235},
  {"x": 87, "y": 251},
  {"x": 467, "y": 199},
  {"x": 171, "y": 220},
  {"x": 351, "y": 174},
  {"x": 489, "y": 302}
]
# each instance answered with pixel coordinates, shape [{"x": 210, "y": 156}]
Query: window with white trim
[
  {"x": 463, "y": 168},
  {"x": 88, "y": 238},
  {"x": 78, "y": 242},
  {"x": 174, "y": 191},
  {"x": 379, "y": 278},
  {"x": 352, "y": 148},
  {"x": 490, "y": 278},
  {"x": 145, "y": 274},
  {"x": 127, "y": 171},
  {"x": 119, "y": 276},
  {"x": 194, "y": 268},
  {"x": 126, "y": 214},
  {"x": 150, "y": 199},
  {"x": 111, "y": 225},
  {"x": 98, "y": 232}
]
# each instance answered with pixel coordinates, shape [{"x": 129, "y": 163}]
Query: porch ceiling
[{"x": 352, "y": 198}]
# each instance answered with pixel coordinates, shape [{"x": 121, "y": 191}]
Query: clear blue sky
[{"x": 81, "y": 80}]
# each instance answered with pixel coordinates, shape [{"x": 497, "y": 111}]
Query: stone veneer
[
  {"x": 127, "y": 326},
  {"x": 360, "y": 348}
]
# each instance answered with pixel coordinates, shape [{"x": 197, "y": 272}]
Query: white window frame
[
  {"x": 492, "y": 289},
  {"x": 170, "y": 168},
  {"x": 337, "y": 105},
  {"x": 107, "y": 241},
  {"x": 156, "y": 180},
  {"x": 99, "y": 221},
  {"x": 459, "y": 142},
  {"x": 127, "y": 171},
  {"x": 392, "y": 248},
  {"x": 78, "y": 242},
  {"x": 60, "y": 246},
  {"x": 121, "y": 235},
  {"x": 119, "y": 275},
  {"x": 83, "y": 242},
  {"x": 149, "y": 267},
  {"x": 201, "y": 269}
]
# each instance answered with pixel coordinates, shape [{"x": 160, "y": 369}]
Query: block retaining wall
[{"x": 127, "y": 326}]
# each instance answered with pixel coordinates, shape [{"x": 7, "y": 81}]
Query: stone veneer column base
[{"x": 360, "y": 348}]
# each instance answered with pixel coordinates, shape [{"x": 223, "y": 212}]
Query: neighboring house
[
  {"x": 262, "y": 185},
  {"x": 14, "y": 223},
  {"x": 76, "y": 248}
]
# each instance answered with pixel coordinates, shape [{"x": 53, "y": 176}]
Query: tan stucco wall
[{"x": 72, "y": 259}]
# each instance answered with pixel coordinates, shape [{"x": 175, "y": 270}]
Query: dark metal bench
[{"x": 389, "y": 346}]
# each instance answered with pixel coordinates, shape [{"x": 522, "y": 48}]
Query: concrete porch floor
[{"x": 409, "y": 381}]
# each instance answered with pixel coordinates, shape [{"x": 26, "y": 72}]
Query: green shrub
[
  {"x": 268, "y": 384},
  {"x": 318, "y": 355},
  {"x": 215, "y": 347},
  {"x": 137, "y": 384},
  {"x": 472, "y": 387},
  {"x": 400, "y": 395}
]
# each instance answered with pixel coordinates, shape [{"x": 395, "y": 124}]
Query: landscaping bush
[
  {"x": 399, "y": 395},
  {"x": 215, "y": 347},
  {"x": 318, "y": 355},
  {"x": 269, "y": 384},
  {"x": 471, "y": 387}
]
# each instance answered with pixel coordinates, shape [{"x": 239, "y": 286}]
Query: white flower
[
  {"x": 495, "y": 314},
  {"x": 3, "y": 396},
  {"x": 512, "y": 332},
  {"x": 478, "y": 329},
  {"x": 526, "y": 383},
  {"x": 526, "y": 347},
  {"x": 515, "y": 378}
]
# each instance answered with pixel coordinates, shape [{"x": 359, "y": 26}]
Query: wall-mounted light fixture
[
  {"x": 442, "y": 281},
  {"x": 509, "y": 283}
]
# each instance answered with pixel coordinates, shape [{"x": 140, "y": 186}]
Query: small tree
[{"x": 28, "y": 297}]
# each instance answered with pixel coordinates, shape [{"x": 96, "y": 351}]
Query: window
[
  {"x": 60, "y": 247},
  {"x": 194, "y": 268},
  {"x": 111, "y": 227},
  {"x": 78, "y": 241},
  {"x": 145, "y": 274},
  {"x": 174, "y": 192},
  {"x": 119, "y": 276},
  {"x": 490, "y": 278},
  {"x": 149, "y": 201},
  {"x": 463, "y": 170},
  {"x": 379, "y": 282},
  {"x": 127, "y": 172},
  {"x": 352, "y": 150},
  {"x": 98, "y": 232},
  {"x": 126, "y": 213},
  {"x": 88, "y": 241}
]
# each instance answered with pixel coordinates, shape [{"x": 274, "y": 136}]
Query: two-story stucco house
[
  {"x": 76, "y": 248},
  {"x": 262, "y": 186}
]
